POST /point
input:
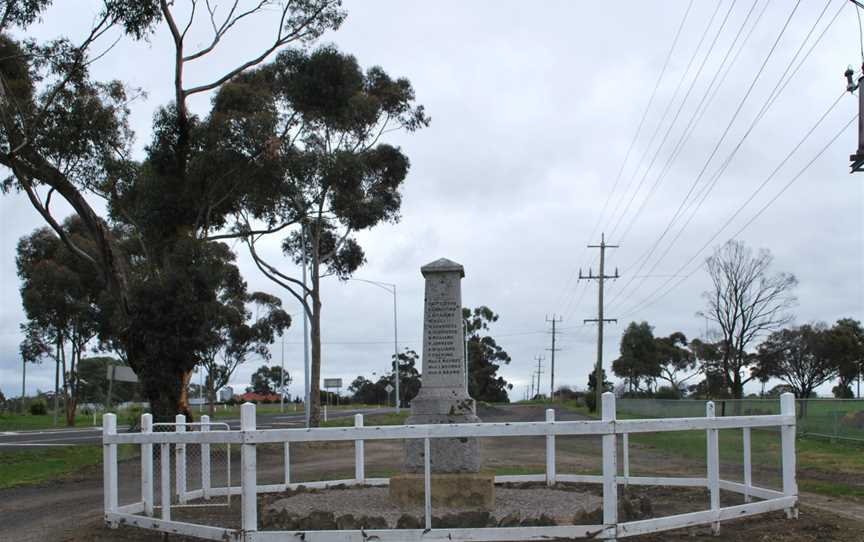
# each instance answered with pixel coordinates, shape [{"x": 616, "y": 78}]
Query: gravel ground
[{"x": 375, "y": 501}]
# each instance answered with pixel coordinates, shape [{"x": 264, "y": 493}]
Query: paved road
[{"x": 47, "y": 438}]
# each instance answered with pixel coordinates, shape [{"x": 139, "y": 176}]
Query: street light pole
[
  {"x": 396, "y": 352},
  {"x": 391, "y": 288},
  {"x": 282, "y": 379}
]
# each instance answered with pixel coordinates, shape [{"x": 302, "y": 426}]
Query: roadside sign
[
  {"x": 120, "y": 373},
  {"x": 332, "y": 383},
  {"x": 389, "y": 388}
]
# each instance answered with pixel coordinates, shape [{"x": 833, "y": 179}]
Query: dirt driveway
[{"x": 70, "y": 509}]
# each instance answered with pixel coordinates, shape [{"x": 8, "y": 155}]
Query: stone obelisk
[{"x": 455, "y": 462}]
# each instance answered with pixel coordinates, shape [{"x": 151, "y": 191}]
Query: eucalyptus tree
[
  {"x": 676, "y": 363},
  {"x": 638, "y": 360},
  {"x": 801, "y": 357},
  {"x": 60, "y": 299},
  {"x": 236, "y": 335},
  {"x": 485, "y": 357},
  {"x": 327, "y": 118},
  {"x": 846, "y": 342},
  {"x": 65, "y": 135}
]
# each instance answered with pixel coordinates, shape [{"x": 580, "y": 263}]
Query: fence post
[
  {"x": 248, "y": 474},
  {"x": 427, "y": 483},
  {"x": 359, "y": 461},
  {"x": 713, "y": 460},
  {"x": 610, "y": 470},
  {"x": 109, "y": 466},
  {"x": 147, "y": 465},
  {"x": 550, "y": 449},
  {"x": 787, "y": 437},
  {"x": 205, "y": 460},
  {"x": 625, "y": 446},
  {"x": 748, "y": 469},
  {"x": 287, "y": 452},
  {"x": 180, "y": 461},
  {"x": 165, "y": 480}
]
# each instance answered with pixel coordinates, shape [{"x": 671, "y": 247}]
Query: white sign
[
  {"x": 119, "y": 373},
  {"x": 389, "y": 388},
  {"x": 332, "y": 383}
]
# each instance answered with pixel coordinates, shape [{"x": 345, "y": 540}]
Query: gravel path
[{"x": 375, "y": 501}]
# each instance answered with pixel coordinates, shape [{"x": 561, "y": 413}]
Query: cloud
[{"x": 533, "y": 108}]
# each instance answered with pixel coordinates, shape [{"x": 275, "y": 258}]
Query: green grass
[
  {"x": 817, "y": 459},
  {"x": 35, "y": 466},
  {"x": 390, "y": 418},
  {"x": 20, "y": 422},
  {"x": 233, "y": 412}
]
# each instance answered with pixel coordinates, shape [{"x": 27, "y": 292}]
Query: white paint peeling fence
[{"x": 142, "y": 513}]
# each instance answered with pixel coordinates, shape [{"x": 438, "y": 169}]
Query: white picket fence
[{"x": 141, "y": 513}]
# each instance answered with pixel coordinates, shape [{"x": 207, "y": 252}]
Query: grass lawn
[
  {"x": 390, "y": 418},
  {"x": 828, "y": 468},
  {"x": 21, "y": 422},
  {"x": 34, "y": 466},
  {"x": 233, "y": 412}
]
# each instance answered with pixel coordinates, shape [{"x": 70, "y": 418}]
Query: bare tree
[{"x": 745, "y": 303}]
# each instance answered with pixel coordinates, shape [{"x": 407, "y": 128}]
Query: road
[{"x": 46, "y": 438}]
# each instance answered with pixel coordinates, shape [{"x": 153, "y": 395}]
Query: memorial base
[
  {"x": 449, "y": 455},
  {"x": 470, "y": 490}
]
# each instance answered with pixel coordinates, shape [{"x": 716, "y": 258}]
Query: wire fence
[{"x": 835, "y": 419}]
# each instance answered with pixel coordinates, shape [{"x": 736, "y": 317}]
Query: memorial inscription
[{"x": 443, "y": 397}]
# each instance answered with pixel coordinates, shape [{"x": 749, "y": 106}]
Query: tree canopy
[
  {"x": 485, "y": 357},
  {"x": 265, "y": 153}
]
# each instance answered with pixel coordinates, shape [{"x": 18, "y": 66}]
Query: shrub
[
  {"x": 133, "y": 418},
  {"x": 591, "y": 401},
  {"x": 38, "y": 408},
  {"x": 667, "y": 392}
]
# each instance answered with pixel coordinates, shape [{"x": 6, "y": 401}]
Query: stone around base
[{"x": 474, "y": 490}]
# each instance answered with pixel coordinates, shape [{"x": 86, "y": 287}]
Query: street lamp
[{"x": 391, "y": 288}]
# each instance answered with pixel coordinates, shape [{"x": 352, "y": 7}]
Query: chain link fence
[{"x": 835, "y": 419}]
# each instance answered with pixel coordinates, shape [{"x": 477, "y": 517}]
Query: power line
[
  {"x": 651, "y": 299},
  {"x": 698, "y": 112},
  {"x": 680, "y": 106},
  {"x": 630, "y": 148},
  {"x": 772, "y": 97},
  {"x": 647, "y": 255}
]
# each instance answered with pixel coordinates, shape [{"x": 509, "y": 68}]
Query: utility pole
[
  {"x": 282, "y": 378},
  {"x": 23, "y": 384},
  {"x": 857, "y": 159},
  {"x": 554, "y": 321},
  {"x": 598, "y": 370},
  {"x": 539, "y": 371},
  {"x": 307, "y": 380}
]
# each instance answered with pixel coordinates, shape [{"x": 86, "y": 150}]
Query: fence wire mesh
[{"x": 837, "y": 419}]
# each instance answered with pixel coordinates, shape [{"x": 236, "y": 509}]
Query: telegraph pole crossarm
[{"x": 598, "y": 369}]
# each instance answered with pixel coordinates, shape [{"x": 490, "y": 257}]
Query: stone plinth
[
  {"x": 472, "y": 490},
  {"x": 443, "y": 397}
]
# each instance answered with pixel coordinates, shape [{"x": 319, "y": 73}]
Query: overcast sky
[{"x": 534, "y": 106}]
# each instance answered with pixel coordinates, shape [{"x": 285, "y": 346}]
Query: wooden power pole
[
  {"x": 554, "y": 321},
  {"x": 598, "y": 369},
  {"x": 538, "y": 372}
]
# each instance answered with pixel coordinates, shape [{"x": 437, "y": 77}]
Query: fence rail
[
  {"x": 609, "y": 428},
  {"x": 836, "y": 419}
]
